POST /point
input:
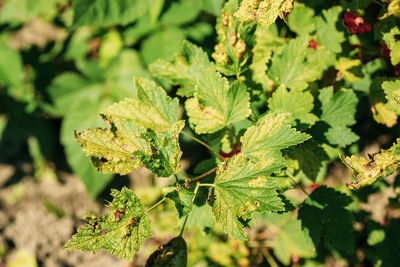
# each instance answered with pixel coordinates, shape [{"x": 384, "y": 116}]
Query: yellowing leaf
[
  {"x": 271, "y": 134},
  {"x": 143, "y": 132},
  {"x": 216, "y": 104},
  {"x": 183, "y": 69},
  {"x": 344, "y": 65},
  {"x": 243, "y": 188},
  {"x": 264, "y": 12},
  {"x": 153, "y": 109},
  {"x": 122, "y": 231},
  {"x": 379, "y": 165}
]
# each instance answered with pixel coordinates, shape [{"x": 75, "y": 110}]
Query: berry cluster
[{"x": 355, "y": 24}]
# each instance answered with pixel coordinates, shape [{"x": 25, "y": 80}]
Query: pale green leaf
[
  {"x": 216, "y": 104},
  {"x": 392, "y": 94},
  {"x": 293, "y": 240},
  {"x": 290, "y": 68},
  {"x": 11, "y": 72},
  {"x": 302, "y": 19},
  {"x": 393, "y": 44},
  {"x": 153, "y": 109},
  {"x": 122, "y": 231},
  {"x": 154, "y": 47},
  {"x": 383, "y": 111},
  {"x": 183, "y": 69},
  {"x": 107, "y": 12},
  {"x": 379, "y": 165},
  {"x": 267, "y": 41},
  {"x": 181, "y": 12},
  {"x": 83, "y": 114},
  {"x": 271, "y": 134},
  {"x": 243, "y": 188},
  {"x": 345, "y": 66},
  {"x": 264, "y": 12},
  {"x": 174, "y": 253},
  {"x": 341, "y": 136},
  {"x": 295, "y": 104},
  {"x": 327, "y": 33}
]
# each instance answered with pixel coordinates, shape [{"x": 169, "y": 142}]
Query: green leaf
[
  {"x": 183, "y": 69},
  {"x": 310, "y": 156},
  {"x": 271, "y": 134},
  {"x": 327, "y": 33},
  {"x": 341, "y": 136},
  {"x": 340, "y": 105},
  {"x": 291, "y": 69},
  {"x": 183, "y": 199},
  {"x": 392, "y": 94},
  {"x": 293, "y": 240},
  {"x": 295, "y": 104},
  {"x": 267, "y": 41},
  {"x": 107, "y": 12},
  {"x": 324, "y": 215},
  {"x": 64, "y": 89},
  {"x": 385, "y": 252},
  {"x": 379, "y": 165},
  {"x": 383, "y": 111},
  {"x": 25, "y": 10},
  {"x": 11, "y": 72},
  {"x": 345, "y": 65},
  {"x": 81, "y": 115},
  {"x": 144, "y": 131},
  {"x": 393, "y": 44},
  {"x": 180, "y": 13},
  {"x": 216, "y": 104},
  {"x": 174, "y": 253},
  {"x": 302, "y": 19},
  {"x": 264, "y": 12},
  {"x": 243, "y": 188},
  {"x": 152, "y": 109},
  {"x": 152, "y": 48},
  {"x": 122, "y": 231}
]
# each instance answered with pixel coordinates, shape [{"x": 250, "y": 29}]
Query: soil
[{"x": 39, "y": 217}]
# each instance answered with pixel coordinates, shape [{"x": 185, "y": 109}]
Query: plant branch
[
  {"x": 202, "y": 176},
  {"x": 295, "y": 183},
  {"x": 155, "y": 205},
  {"x": 183, "y": 226},
  {"x": 204, "y": 144},
  {"x": 270, "y": 259}
]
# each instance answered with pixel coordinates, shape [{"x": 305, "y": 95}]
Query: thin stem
[
  {"x": 270, "y": 259},
  {"x": 378, "y": 3},
  {"x": 183, "y": 226},
  {"x": 206, "y": 184},
  {"x": 203, "y": 144},
  {"x": 202, "y": 176},
  {"x": 155, "y": 205},
  {"x": 187, "y": 179},
  {"x": 295, "y": 183}
]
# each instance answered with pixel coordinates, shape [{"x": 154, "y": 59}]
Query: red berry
[
  {"x": 355, "y": 24},
  {"x": 313, "y": 44},
  {"x": 358, "y": 21},
  {"x": 385, "y": 51},
  {"x": 397, "y": 71}
]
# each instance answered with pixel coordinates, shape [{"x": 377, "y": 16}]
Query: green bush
[{"x": 264, "y": 106}]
